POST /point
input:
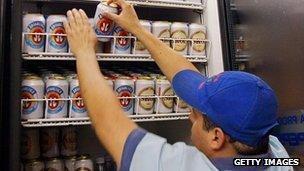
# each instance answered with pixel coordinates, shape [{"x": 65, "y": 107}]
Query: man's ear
[{"x": 218, "y": 138}]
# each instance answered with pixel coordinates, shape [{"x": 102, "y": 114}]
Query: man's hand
[
  {"x": 81, "y": 37},
  {"x": 127, "y": 19}
]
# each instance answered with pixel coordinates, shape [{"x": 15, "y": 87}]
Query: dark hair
[{"x": 240, "y": 148}]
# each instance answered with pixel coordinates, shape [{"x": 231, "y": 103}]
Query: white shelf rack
[
  {"x": 86, "y": 121},
  {"x": 143, "y": 3}
]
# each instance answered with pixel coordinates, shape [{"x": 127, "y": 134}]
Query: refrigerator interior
[{"x": 173, "y": 130}]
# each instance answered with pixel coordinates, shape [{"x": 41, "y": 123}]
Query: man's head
[{"x": 233, "y": 112}]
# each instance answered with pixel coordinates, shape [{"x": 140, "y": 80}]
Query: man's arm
[
  {"x": 110, "y": 122},
  {"x": 169, "y": 61}
]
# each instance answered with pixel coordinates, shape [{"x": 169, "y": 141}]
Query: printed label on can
[
  {"x": 125, "y": 91},
  {"x": 122, "y": 43},
  {"x": 77, "y": 105},
  {"x": 165, "y": 34},
  {"x": 51, "y": 169},
  {"x": 199, "y": 45},
  {"x": 32, "y": 40},
  {"x": 168, "y": 101},
  {"x": 47, "y": 142},
  {"x": 179, "y": 45},
  {"x": 104, "y": 26},
  {"x": 146, "y": 103},
  {"x": 57, "y": 41},
  {"x": 54, "y": 106},
  {"x": 28, "y": 107},
  {"x": 26, "y": 144},
  {"x": 70, "y": 141}
]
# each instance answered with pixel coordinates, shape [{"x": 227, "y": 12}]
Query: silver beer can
[
  {"x": 57, "y": 88},
  {"x": 33, "y": 23},
  {"x": 139, "y": 47},
  {"x": 179, "y": 31},
  {"x": 34, "y": 165},
  {"x": 32, "y": 87},
  {"x": 161, "y": 29},
  {"x": 49, "y": 142},
  {"x": 69, "y": 163},
  {"x": 144, "y": 86},
  {"x": 54, "y": 164},
  {"x": 122, "y": 44},
  {"x": 197, "y": 32},
  {"x": 56, "y": 43},
  {"x": 163, "y": 88},
  {"x": 70, "y": 76},
  {"x": 180, "y": 106},
  {"x": 30, "y": 148},
  {"x": 68, "y": 141},
  {"x": 124, "y": 87},
  {"x": 84, "y": 162},
  {"x": 78, "y": 109},
  {"x": 102, "y": 25}
]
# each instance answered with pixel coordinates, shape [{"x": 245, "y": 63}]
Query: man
[{"x": 233, "y": 112}]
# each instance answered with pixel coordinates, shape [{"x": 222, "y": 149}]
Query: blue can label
[
  {"x": 53, "y": 93},
  {"x": 35, "y": 41},
  {"x": 57, "y": 41},
  {"x": 125, "y": 91},
  {"x": 77, "y": 105},
  {"x": 28, "y": 107},
  {"x": 122, "y": 43}
]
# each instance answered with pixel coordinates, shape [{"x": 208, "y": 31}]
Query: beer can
[
  {"x": 144, "y": 86},
  {"x": 56, "y": 43},
  {"x": 69, "y": 163},
  {"x": 54, "y": 164},
  {"x": 57, "y": 88},
  {"x": 163, "y": 88},
  {"x": 49, "y": 142},
  {"x": 180, "y": 106},
  {"x": 197, "y": 32},
  {"x": 154, "y": 76},
  {"x": 161, "y": 29},
  {"x": 139, "y": 47},
  {"x": 100, "y": 161},
  {"x": 78, "y": 109},
  {"x": 33, "y": 23},
  {"x": 68, "y": 141},
  {"x": 70, "y": 76},
  {"x": 122, "y": 44},
  {"x": 110, "y": 82},
  {"x": 32, "y": 87},
  {"x": 84, "y": 162},
  {"x": 179, "y": 31},
  {"x": 34, "y": 165},
  {"x": 102, "y": 25},
  {"x": 124, "y": 87},
  {"x": 48, "y": 74},
  {"x": 30, "y": 143}
]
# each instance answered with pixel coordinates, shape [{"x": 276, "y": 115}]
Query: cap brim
[{"x": 186, "y": 85}]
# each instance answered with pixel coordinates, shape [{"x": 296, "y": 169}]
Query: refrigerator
[
  {"x": 174, "y": 125},
  {"x": 264, "y": 37}
]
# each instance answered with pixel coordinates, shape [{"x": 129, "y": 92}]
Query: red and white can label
[
  {"x": 104, "y": 26},
  {"x": 28, "y": 107},
  {"x": 57, "y": 41},
  {"x": 122, "y": 43},
  {"x": 32, "y": 40},
  {"x": 53, "y": 93},
  {"x": 77, "y": 105},
  {"x": 125, "y": 91}
]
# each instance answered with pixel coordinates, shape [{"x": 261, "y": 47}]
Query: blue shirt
[{"x": 144, "y": 151}]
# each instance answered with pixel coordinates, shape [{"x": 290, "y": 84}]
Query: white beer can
[
  {"x": 144, "y": 86},
  {"x": 123, "y": 44},
  {"x": 56, "y": 43},
  {"x": 179, "y": 31},
  {"x": 54, "y": 164},
  {"x": 163, "y": 88},
  {"x": 30, "y": 148},
  {"x": 69, "y": 163},
  {"x": 102, "y": 25},
  {"x": 139, "y": 47},
  {"x": 33, "y": 23},
  {"x": 57, "y": 88},
  {"x": 49, "y": 142},
  {"x": 34, "y": 165},
  {"x": 32, "y": 88},
  {"x": 197, "y": 32},
  {"x": 78, "y": 109},
  {"x": 84, "y": 162},
  {"x": 161, "y": 29},
  {"x": 70, "y": 76},
  {"x": 68, "y": 141},
  {"x": 124, "y": 87},
  {"x": 180, "y": 106}
]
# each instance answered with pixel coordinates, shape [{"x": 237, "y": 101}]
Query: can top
[
  {"x": 144, "y": 78},
  {"x": 33, "y": 161},
  {"x": 166, "y": 23},
  {"x": 33, "y": 15},
  {"x": 100, "y": 160},
  {"x": 112, "y": 5},
  {"x": 179, "y": 24},
  {"x": 54, "y": 159},
  {"x": 56, "y": 16},
  {"x": 124, "y": 78},
  {"x": 56, "y": 77},
  {"x": 196, "y": 25},
  {"x": 32, "y": 77},
  {"x": 83, "y": 157},
  {"x": 161, "y": 77},
  {"x": 70, "y": 158}
]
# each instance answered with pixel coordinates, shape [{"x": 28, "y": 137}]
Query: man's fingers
[
  {"x": 121, "y": 3},
  {"x": 67, "y": 27},
  {"x": 110, "y": 16},
  {"x": 84, "y": 17},
  {"x": 77, "y": 16},
  {"x": 71, "y": 19}
]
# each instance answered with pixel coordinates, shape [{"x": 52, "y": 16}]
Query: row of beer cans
[
  {"x": 35, "y": 26},
  {"x": 53, "y": 95}
]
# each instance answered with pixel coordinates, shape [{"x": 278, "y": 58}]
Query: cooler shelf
[{"x": 86, "y": 121}]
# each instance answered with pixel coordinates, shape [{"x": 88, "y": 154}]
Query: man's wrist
[
  {"x": 138, "y": 31},
  {"x": 86, "y": 53}
]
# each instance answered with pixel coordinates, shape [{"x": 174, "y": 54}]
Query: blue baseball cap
[{"x": 242, "y": 104}]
